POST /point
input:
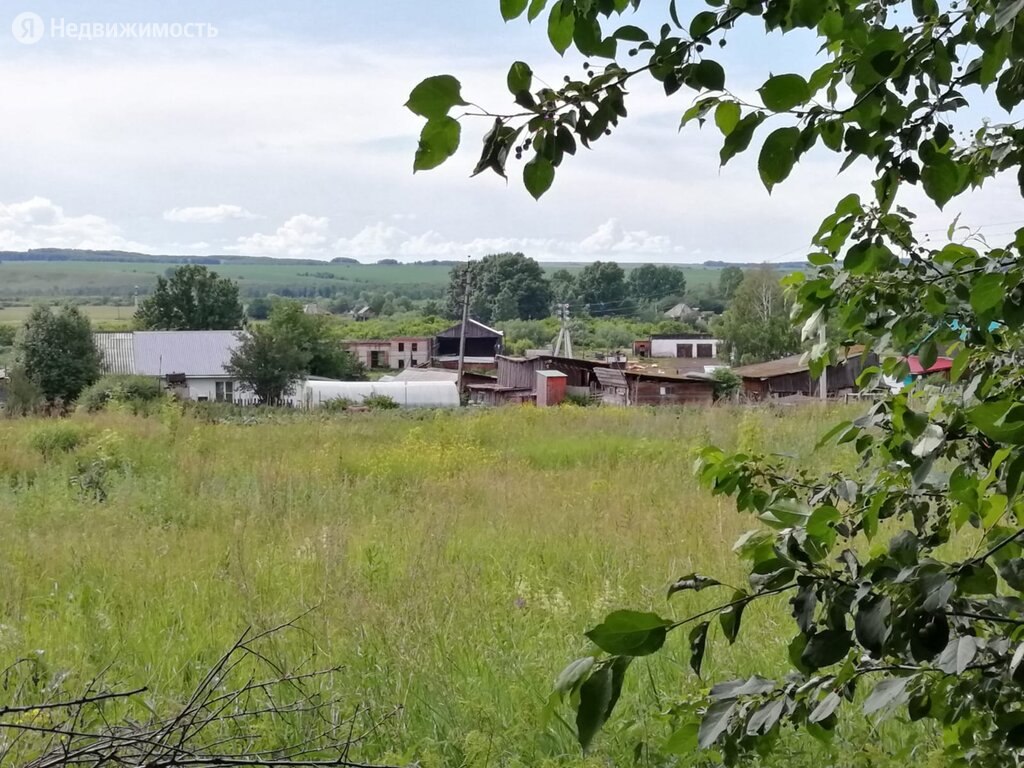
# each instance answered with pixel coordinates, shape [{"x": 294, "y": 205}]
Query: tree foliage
[
  {"x": 313, "y": 338},
  {"x": 729, "y": 281},
  {"x": 903, "y": 576},
  {"x": 192, "y": 298},
  {"x": 601, "y": 287},
  {"x": 650, "y": 282},
  {"x": 56, "y": 352},
  {"x": 757, "y": 326},
  {"x": 267, "y": 364},
  {"x": 503, "y": 286}
]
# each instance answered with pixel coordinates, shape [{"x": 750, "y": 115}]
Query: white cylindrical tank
[{"x": 408, "y": 394}]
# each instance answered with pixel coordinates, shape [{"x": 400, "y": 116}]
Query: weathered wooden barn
[
  {"x": 483, "y": 345},
  {"x": 517, "y": 382},
  {"x": 790, "y": 376}
]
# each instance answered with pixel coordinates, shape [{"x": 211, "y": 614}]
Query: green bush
[
  {"x": 23, "y": 396},
  {"x": 52, "y": 439},
  {"x": 129, "y": 390},
  {"x": 727, "y": 383},
  {"x": 380, "y": 403},
  {"x": 583, "y": 401}
]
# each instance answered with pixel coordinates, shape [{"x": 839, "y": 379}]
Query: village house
[
  {"x": 391, "y": 354},
  {"x": 189, "y": 363}
]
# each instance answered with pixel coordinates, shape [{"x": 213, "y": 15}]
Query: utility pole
[
  {"x": 564, "y": 339},
  {"x": 465, "y": 322}
]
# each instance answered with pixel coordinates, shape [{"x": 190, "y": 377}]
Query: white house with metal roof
[{"x": 190, "y": 363}]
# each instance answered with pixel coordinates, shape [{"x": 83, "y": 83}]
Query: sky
[{"x": 285, "y": 135}]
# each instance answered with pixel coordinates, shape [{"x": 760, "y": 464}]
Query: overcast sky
[{"x": 285, "y": 135}]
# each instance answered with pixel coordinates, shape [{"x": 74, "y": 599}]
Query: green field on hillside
[
  {"x": 449, "y": 563},
  {"x": 46, "y": 279}
]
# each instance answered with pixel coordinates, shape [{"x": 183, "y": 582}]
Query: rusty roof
[{"x": 786, "y": 366}]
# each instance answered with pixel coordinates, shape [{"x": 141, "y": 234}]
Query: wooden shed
[
  {"x": 792, "y": 376},
  {"x": 483, "y": 343}
]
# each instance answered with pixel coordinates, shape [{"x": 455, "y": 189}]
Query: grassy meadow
[{"x": 449, "y": 562}]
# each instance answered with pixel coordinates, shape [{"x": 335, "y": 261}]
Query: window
[
  {"x": 664, "y": 391},
  {"x": 401, "y": 346},
  {"x": 224, "y": 391},
  {"x": 413, "y": 362},
  {"x": 415, "y": 348},
  {"x": 401, "y": 364}
]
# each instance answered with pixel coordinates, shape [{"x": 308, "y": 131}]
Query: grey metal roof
[
  {"x": 426, "y": 374},
  {"x": 118, "y": 352},
  {"x": 193, "y": 353}
]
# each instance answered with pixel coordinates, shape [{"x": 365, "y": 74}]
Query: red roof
[{"x": 941, "y": 364}]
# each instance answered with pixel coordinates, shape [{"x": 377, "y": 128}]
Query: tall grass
[{"x": 452, "y": 562}]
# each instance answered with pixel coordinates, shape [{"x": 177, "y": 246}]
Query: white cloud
[
  {"x": 609, "y": 240},
  {"x": 610, "y": 237},
  {"x": 39, "y": 223},
  {"x": 207, "y": 214},
  {"x": 302, "y": 236}
]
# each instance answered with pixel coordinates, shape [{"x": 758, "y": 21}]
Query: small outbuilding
[
  {"x": 791, "y": 375},
  {"x": 483, "y": 345}
]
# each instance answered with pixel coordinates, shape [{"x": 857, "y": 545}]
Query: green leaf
[
  {"x": 598, "y": 697},
  {"x": 520, "y": 78},
  {"x": 716, "y": 721},
  {"x": 786, "y": 513},
  {"x": 434, "y": 97},
  {"x": 987, "y": 293},
  {"x": 958, "y": 655},
  {"x": 683, "y": 741},
  {"x": 709, "y": 74},
  {"x": 561, "y": 27},
  {"x": 1001, "y": 420},
  {"x": 595, "y": 697},
  {"x": 727, "y": 116},
  {"x": 941, "y": 179},
  {"x": 825, "y": 708},
  {"x": 702, "y": 23},
  {"x": 739, "y": 139},
  {"x": 693, "y": 582},
  {"x": 764, "y": 719},
  {"x": 886, "y": 694},
  {"x": 538, "y": 175},
  {"x": 928, "y": 354},
  {"x": 536, "y": 8},
  {"x": 872, "y": 623},
  {"x": 571, "y": 676},
  {"x": 513, "y": 9},
  {"x": 778, "y": 155},
  {"x": 439, "y": 140},
  {"x": 826, "y": 648},
  {"x": 730, "y": 617},
  {"x": 698, "y": 643},
  {"x": 630, "y": 633},
  {"x": 631, "y": 34},
  {"x": 783, "y": 92}
]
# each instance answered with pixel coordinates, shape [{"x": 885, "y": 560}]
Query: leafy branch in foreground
[
  {"x": 904, "y": 577},
  {"x": 246, "y": 711}
]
